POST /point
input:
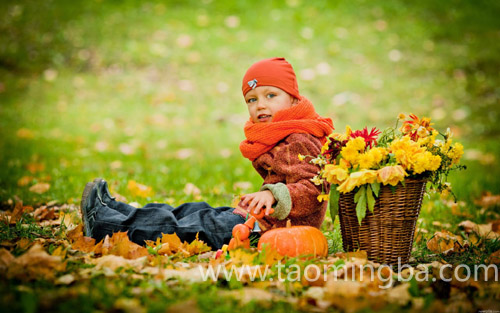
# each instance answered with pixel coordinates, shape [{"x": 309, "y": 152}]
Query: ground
[{"x": 147, "y": 95}]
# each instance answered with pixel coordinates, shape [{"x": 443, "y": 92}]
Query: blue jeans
[{"x": 213, "y": 225}]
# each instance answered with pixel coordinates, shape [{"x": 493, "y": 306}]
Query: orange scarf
[{"x": 301, "y": 118}]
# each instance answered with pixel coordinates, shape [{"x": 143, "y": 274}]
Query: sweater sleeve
[{"x": 301, "y": 198}]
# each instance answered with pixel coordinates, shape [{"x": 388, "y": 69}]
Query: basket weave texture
[{"x": 387, "y": 233}]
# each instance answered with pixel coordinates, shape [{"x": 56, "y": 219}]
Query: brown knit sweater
[{"x": 289, "y": 179}]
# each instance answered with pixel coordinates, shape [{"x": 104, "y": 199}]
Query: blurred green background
[{"x": 150, "y": 90}]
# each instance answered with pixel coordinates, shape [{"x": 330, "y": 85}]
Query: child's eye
[
  {"x": 250, "y": 100},
  {"x": 271, "y": 95}
]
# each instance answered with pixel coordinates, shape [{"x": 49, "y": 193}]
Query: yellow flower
[
  {"x": 301, "y": 157},
  {"x": 323, "y": 197},
  {"x": 401, "y": 116},
  {"x": 357, "y": 143},
  {"x": 378, "y": 154},
  {"x": 348, "y": 131},
  {"x": 318, "y": 161},
  {"x": 317, "y": 180},
  {"x": 405, "y": 150},
  {"x": 426, "y": 161},
  {"x": 429, "y": 140},
  {"x": 335, "y": 174},
  {"x": 456, "y": 153},
  {"x": 326, "y": 145},
  {"x": 365, "y": 160},
  {"x": 358, "y": 179},
  {"x": 391, "y": 175},
  {"x": 349, "y": 154}
]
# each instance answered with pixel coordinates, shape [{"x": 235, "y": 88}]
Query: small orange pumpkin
[
  {"x": 295, "y": 241},
  {"x": 241, "y": 231}
]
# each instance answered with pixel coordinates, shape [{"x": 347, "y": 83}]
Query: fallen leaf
[
  {"x": 114, "y": 262},
  {"x": 445, "y": 242},
  {"x": 24, "y": 244},
  {"x": 36, "y": 263},
  {"x": 139, "y": 190},
  {"x": 488, "y": 200},
  {"x": 6, "y": 259},
  {"x": 25, "y": 181},
  {"x": 191, "y": 190},
  {"x": 18, "y": 212},
  {"x": 40, "y": 188},
  {"x": 483, "y": 230},
  {"x": 84, "y": 244},
  {"x": 242, "y": 256},
  {"x": 119, "y": 244},
  {"x": 25, "y": 133},
  {"x": 494, "y": 258},
  {"x": 44, "y": 213}
]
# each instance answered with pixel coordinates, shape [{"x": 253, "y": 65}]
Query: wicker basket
[{"x": 387, "y": 233}]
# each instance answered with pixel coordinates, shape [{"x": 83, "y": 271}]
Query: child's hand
[{"x": 254, "y": 202}]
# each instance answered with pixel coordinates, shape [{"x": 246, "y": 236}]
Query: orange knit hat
[{"x": 276, "y": 72}]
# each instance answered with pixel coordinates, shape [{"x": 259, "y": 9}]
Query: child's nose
[{"x": 261, "y": 104}]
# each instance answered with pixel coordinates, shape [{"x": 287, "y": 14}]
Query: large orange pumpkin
[{"x": 294, "y": 241}]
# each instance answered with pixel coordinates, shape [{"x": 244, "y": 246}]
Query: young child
[{"x": 282, "y": 125}]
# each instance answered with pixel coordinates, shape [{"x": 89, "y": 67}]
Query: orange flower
[{"x": 391, "y": 175}]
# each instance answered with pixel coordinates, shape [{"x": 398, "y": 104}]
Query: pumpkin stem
[{"x": 288, "y": 223}]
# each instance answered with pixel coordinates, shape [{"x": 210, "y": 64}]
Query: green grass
[{"x": 150, "y": 91}]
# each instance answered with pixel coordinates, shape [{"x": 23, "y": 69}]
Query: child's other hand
[{"x": 255, "y": 202}]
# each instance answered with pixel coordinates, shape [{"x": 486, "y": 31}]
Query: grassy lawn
[{"x": 150, "y": 92}]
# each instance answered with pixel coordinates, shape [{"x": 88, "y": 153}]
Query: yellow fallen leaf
[
  {"x": 25, "y": 133},
  {"x": 34, "y": 167},
  {"x": 242, "y": 256},
  {"x": 40, "y": 188},
  {"x": 25, "y": 181},
  {"x": 139, "y": 190}
]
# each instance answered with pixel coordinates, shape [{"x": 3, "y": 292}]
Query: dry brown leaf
[
  {"x": 40, "y": 188},
  {"x": 494, "y": 258},
  {"x": 36, "y": 263},
  {"x": 18, "y": 212},
  {"x": 114, "y": 262},
  {"x": 6, "y": 259},
  {"x": 24, "y": 244},
  {"x": 488, "y": 200},
  {"x": 44, "y": 213},
  {"x": 445, "y": 242},
  {"x": 483, "y": 230}
]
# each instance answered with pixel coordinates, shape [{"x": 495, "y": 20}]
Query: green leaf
[
  {"x": 334, "y": 202},
  {"x": 370, "y": 200},
  {"x": 376, "y": 189},
  {"x": 361, "y": 205},
  {"x": 358, "y": 194}
]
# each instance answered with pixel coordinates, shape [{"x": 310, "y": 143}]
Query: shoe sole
[{"x": 83, "y": 204}]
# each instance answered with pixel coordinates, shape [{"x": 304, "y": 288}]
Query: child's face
[{"x": 264, "y": 101}]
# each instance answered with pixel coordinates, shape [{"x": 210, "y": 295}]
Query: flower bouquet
[{"x": 378, "y": 173}]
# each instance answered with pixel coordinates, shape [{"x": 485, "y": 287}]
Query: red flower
[{"x": 369, "y": 137}]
